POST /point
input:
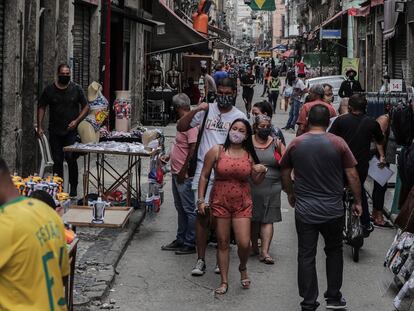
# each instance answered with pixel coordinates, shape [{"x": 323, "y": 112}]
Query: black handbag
[{"x": 192, "y": 164}]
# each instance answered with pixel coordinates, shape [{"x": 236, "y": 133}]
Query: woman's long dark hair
[{"x": 247, "y": 143}]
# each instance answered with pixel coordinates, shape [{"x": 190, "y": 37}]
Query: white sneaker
[
  {"x": 217, "y": 270},
  {"x": 200, "y": 268}
]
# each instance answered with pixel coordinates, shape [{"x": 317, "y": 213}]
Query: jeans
[
  {"x": 57, "y": 142},
  {"x": 293, "y": 113},
  {"x": 185, "y": 206},
  {"x": 308, "y": 235}
]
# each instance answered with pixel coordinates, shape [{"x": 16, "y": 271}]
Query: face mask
[
  {"x": 224, "y": 101},
  {"x": 329, "y": 99},
  {"x": 236, "y": 137},
  {"x": 63, "y": 80},
  {"x": 264, "y": 133}
]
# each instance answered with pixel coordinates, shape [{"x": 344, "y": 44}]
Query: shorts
[
  {"x": 248, "y": 96},
  {"x": 301, "y": 75},
  {"x": 288, "y": 91},
  {"x": 231, "y": 204}
]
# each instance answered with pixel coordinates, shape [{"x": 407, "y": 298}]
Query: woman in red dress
[{"x": 234, "y": 163}]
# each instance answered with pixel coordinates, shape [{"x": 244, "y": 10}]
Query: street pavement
[{"x": 151, "y": 279}]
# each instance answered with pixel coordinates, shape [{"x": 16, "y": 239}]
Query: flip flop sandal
[
  {"x": 386, "y": 224},
  {"x": 245, "y": 283},
  {"x": 222, "y": 290},
  {"x": 268, "y": 260}
]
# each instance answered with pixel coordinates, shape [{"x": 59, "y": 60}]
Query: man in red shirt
[
  {"x": 181, "y": 152},
  {"x": 301, "y": 69},
  {"x": 316, "y": 93}
]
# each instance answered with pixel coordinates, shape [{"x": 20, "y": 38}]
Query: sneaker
[
  {"x": 217, "y": 270},
  {"x": 200, "y": 268},
  {"x": 336, "y": 304},
  {"x": 186, "y": 250},
  {"x": 173, "y": 246}
]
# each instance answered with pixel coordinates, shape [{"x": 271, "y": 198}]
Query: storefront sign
[
  {"x": 264, "y": 54},
  {"x": 331, "y": 34},
  {"x": 350, "y": 63},
  {"x": 396, "y": 85}
]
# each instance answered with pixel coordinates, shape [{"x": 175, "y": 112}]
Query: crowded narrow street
[
  {"x": 206, "y": 155},
  {"x": 152, "y": 279}
]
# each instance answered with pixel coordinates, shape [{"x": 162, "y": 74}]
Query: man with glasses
[{"x": 220, "y": 116}]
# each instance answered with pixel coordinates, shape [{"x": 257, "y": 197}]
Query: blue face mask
[{"x": 224, "y": 101}]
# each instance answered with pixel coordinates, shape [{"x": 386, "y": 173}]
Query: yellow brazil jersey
[{"x": 33, "y": 257}]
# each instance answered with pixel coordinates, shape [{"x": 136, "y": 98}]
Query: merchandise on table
[
  {"x": 51, "y": 184},
  {"x": 112, "y": 146},
  {"x": 400, "y": 260}
]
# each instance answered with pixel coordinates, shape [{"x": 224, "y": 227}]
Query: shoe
[
  {"x": 173, "y": 246},
  {"x": 186, "y": 250},
  {"x": 367, "y": 230},
  {"x": 73, "y": 192},
  {"x": 385, "y": 224},
  {"x": 200, "y": 268},
  {"x": 217, "y": 270},
  {"x": 336, "y": 304}
]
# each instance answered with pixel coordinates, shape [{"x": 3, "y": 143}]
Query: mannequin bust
[
  {"x": 155, "y": 77},
  {"x": 88, "y": 129},
  {"x": 173, "y": 78}
]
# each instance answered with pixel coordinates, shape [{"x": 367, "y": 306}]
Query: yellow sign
[
  {"x": 264, "y": 54},
  {"x": 350, "y": 63},
  {"x": 260, "y": 3}
]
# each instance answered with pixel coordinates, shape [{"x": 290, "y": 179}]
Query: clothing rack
[{"x": 378, "y": 100}]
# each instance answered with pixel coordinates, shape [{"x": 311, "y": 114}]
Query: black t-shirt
[
  {"x": 358, "y": 131},
  {"x": 64, "y": 105},
  {"x": 247, "y": 79}
]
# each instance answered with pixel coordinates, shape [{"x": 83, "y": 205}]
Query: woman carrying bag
[{"x": 266, "y": 196}]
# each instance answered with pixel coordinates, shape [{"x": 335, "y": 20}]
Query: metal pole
[
  {"x": 107, "y": 74},
  {"x": 320, "y": 52}
]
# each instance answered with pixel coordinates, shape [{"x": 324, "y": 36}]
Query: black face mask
[
  {"x": 264, "y": 133},
  {"x": 63, "y": 80},
  {"x": 224, "y": 101}
]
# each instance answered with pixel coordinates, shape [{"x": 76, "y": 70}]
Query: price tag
[{"x": 396, "y": 85}]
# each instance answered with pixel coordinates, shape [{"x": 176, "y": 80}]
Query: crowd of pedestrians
[{"x": 242, "y": 164}]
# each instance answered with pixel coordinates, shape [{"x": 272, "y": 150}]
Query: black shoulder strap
[
  {"x": 357, "y": 130},
  {"x": 201, "y": 129}
]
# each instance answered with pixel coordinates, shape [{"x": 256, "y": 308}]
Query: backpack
[
  {"x": 406, "y": 165},
  {"x": 403, "y": 125}
]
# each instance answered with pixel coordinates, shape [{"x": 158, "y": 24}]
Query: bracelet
[{"x": 200, "y": 201}]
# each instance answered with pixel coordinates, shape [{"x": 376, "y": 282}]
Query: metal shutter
[
  {"x": 81, "y": 45},
  {"x": 1, "y": 51},
  {"x": 400, "y": 49}
]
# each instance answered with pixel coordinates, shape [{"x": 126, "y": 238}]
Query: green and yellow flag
[{"x": 263, "y": 5}]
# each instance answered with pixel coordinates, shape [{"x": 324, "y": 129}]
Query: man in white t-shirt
[
  {"x": 221, "y": 115},
  {"x": 299, "y": 89}
]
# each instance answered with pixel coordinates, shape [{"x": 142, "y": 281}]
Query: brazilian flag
[{"x": 263, "y": 5}]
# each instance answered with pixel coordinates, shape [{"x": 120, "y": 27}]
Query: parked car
[{"x": 335, "y": 81}]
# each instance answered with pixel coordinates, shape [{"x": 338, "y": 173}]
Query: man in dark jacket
[{"x": 350, "y": 85}]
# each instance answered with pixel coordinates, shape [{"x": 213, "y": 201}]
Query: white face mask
[{"x": 236, "y": 137}]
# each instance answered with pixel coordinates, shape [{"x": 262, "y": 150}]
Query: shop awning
[
  {"x": 390, "y": 19},
  {"x": 222, "y": 33},
  {"x": 221, "y": 45},
  {"x": 179, "y": 35},
  {"x": 329, "y": 20},
  {"x": 280, "y": 47}
]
